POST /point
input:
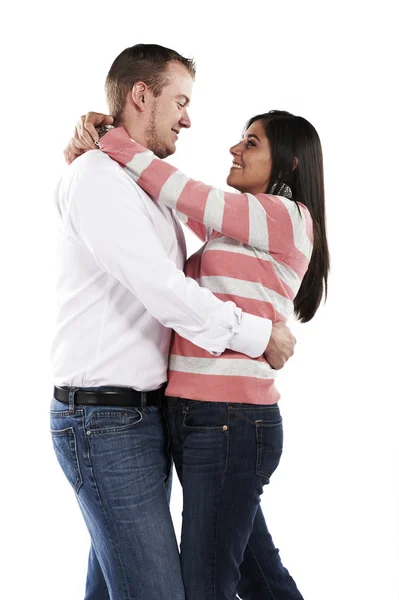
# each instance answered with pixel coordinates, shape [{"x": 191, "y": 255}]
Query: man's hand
[
  {"x": 280, "y": 347},
  {"x": 85, "y": 135}
]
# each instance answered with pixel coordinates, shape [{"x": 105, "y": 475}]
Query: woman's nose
[{"x": 235, "y": 150}]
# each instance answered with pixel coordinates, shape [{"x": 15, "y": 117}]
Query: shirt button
[
  {"x": 88, "y": 432},
  {"x": 225, "y": 428}
]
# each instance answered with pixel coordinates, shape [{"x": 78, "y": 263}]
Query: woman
[{"x": 266, "y": 250}]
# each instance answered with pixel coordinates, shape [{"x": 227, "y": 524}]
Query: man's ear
[{"x": 139, "y": 95}]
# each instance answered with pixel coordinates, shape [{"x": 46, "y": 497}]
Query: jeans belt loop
[
  {"x": 143, "y": 399},
  {"x": 72, "y": 392}
]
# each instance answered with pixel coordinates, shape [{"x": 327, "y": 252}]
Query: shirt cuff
[{"x": 253, "y": 335}]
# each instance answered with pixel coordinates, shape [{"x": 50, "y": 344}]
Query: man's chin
[
  {"x": 172, "y": 148},
  {"x": 166, "y": 151}
]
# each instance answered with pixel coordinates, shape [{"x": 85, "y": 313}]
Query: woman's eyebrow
[{"x": 252, "y": 135}]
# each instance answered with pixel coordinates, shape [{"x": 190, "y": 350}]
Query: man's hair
[{"x": 142, "y": 62}]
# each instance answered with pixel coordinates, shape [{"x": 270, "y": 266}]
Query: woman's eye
[{"x": 250, "y": 143}]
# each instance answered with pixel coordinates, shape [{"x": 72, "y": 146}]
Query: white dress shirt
[{"x": 121, "y": 290}]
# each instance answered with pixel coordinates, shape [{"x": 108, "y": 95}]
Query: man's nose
[{"x": 185, "y": 119}]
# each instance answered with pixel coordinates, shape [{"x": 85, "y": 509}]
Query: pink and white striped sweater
[{"x": 257, "y": 250}]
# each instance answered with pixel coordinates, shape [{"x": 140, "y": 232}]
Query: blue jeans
[
  {"x": 118, "y": 462},
  {"x": 224, "y": 454},
  {"x": 110, "y": 481}
]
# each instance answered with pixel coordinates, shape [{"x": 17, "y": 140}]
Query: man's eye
[{"x": 180, "y": 104}]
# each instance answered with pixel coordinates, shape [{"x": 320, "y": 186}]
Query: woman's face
[{"x": 252, "y": 162}]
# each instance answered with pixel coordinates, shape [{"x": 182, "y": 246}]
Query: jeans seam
[
  {"x": 169, "y": 447},
  {"x": 261, "y": 571},
  {"x": 75, "y": 456},
  {"x": 218, "y": 505},
  {"x": 117, "y": 554}
]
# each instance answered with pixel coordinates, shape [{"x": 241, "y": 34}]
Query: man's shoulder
[
  {"x": 90, "y": 165},
  {"x": 93, "y": 174},
  {"x": 90, "y": 162}
]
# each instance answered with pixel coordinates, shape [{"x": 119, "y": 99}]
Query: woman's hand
[{"x": 85, "y": 135}]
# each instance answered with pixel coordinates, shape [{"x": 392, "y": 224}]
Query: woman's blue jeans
[{"x": 224, "y": 454}]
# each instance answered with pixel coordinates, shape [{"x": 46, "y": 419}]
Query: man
[{"x": 121, "y": 291}]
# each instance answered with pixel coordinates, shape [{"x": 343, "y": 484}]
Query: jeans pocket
[
  {"x": 106, "y": 420},
  {"x": 206, "y": 416},
  {"x": 64, "y": 442},
  {"x": 269, "y": 447}
]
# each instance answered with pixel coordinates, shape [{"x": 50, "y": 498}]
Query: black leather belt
[{"x": 110, "y": 396}]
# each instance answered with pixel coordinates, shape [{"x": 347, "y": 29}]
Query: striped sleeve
[
  {"x": 200, "y": 230},
  {"x": 270, "y": 223}
]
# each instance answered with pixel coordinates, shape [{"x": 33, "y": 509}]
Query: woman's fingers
[
  {"x": 90, "y": 122},
  {"x": 85, "y": 135},
  {"x": 72, "y": 151}
]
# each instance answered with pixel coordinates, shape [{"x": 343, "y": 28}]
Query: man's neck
[{"x": 135, "y": 129}]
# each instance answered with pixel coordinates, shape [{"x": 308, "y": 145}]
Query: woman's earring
[{"x": 281, "y": 189}]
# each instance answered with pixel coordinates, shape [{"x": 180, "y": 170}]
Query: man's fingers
[
  {"x": 275, "y": 360},
  {"x": 277, "y": 365}
]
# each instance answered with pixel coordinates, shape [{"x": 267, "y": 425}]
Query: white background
[{"x": 331, "y": 504}]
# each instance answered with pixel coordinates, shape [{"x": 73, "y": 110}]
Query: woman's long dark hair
[{"x": 292, "y": 138}]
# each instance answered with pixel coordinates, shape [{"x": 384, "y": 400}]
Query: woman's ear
[{"x": 295, "y": 164}]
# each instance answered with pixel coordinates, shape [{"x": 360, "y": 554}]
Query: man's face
[{"x": 169, "y": 111}]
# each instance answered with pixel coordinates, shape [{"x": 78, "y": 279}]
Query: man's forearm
[{"x": 114, "y": 225}]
